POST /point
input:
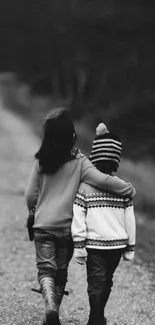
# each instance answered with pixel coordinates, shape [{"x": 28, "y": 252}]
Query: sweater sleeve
[
  {"x": 94, "y": 177},
  {"x": 130, "y": 225},
  {"x": 32, "y": 189},
  {"x": 78, "y": 226}
]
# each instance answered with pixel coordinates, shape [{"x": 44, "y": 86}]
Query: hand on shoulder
[{"x": 77, "y": 153}]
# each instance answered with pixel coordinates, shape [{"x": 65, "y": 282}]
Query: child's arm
[
  {"x": 78, "y": 227},
  {"x": 130, "y": 225},
  {"x": 32, "y": 190},
  {"x": 94, "y": 177}
]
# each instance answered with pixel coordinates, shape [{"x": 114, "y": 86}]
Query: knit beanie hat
[{"x": 106, "y": 146}]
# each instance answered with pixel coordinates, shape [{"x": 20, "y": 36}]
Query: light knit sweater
[
  {"x": 102, "y": 220},
  {"x": 53, "y": 195}
]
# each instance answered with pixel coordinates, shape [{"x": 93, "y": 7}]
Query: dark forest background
[{"x": 98, "y": 55}]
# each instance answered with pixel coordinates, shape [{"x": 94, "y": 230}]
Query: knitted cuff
[
  {"x": 79, "y": 244},
  {"x": 130, "y": 248}
]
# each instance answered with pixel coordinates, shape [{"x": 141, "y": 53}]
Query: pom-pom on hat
[
  {"x": 101, "y": 129},
  {"x": 106, "y": 146}
]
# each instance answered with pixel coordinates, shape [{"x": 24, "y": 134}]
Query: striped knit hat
[{"x": 106, "y": 146}]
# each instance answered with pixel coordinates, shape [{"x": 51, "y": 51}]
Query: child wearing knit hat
[{"x": 103, "y": 226}]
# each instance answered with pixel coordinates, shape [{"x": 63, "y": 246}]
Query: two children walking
[{"x": 56, "y": 174}]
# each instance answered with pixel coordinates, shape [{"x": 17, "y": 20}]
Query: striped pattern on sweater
[{"x": 98, "y": 200}]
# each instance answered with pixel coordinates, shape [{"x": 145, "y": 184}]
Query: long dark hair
[{"x": 59, "y": 138}]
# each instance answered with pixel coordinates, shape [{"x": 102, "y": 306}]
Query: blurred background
[
  {"x": 98, "y": 59},
  {"x": 95, "y": 57}
]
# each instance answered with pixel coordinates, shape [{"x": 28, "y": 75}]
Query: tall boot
[
  {"x": 97, "y": 306},
  {"x": 60, "y": 290},
  {"x": 50, "y": 299}
]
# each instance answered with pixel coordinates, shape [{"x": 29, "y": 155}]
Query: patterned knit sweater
[
  {"x": 102, "y": 220},
  {"x": 53, "y": 195}
]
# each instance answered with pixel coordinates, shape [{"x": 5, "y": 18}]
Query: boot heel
[{"x": 52, "y": 318}]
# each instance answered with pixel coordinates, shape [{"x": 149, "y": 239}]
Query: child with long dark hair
[
  {"x": 56, "y": 174},
  {"x": 103, "y": 226}
]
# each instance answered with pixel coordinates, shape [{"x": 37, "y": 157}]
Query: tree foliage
[{"x": 99, "y": 53}]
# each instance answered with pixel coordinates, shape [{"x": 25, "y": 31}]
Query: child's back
[
  {"x": 57, "y": 193},
  {"x": 105, "y": 225}
]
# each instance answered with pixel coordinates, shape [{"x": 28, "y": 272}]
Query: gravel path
[{"x": 132, "y": 299}]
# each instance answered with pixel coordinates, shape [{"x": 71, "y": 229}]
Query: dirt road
[{"x": 133, "y": 297}]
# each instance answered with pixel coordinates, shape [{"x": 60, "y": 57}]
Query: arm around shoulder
[{"x": 103, "y": 181}]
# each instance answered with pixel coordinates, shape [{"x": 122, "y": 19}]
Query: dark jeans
[
  {"x": 53, "y": 254},
  {"x": 101, "y": 265}
]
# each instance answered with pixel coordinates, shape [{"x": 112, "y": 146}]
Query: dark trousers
[
  {"x": 53, "y": 254},
  {"x": 101, "y": 265}
]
